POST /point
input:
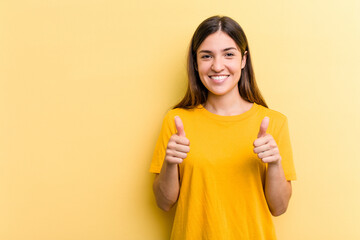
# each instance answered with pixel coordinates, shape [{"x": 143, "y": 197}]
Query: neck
[{"x": 227, "y": 105}]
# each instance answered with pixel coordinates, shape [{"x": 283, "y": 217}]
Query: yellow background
[{"x": 84, "y": 86}]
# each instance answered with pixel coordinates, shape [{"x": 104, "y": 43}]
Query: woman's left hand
[{"x": 265, "y": 146}]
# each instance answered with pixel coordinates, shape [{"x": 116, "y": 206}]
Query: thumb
[
  {"x": 263, "y": 127},
  {"x": 179, "y": 126}
]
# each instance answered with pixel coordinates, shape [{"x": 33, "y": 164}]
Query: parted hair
[{"x": 196, "y": 92}]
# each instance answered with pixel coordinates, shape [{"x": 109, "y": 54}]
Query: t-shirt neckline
[{"x": 254, "y": 108}]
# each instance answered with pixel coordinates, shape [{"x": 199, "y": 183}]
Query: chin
[
  {"x": 218, "y": 93},
  {"x": 221, "y": 92}
]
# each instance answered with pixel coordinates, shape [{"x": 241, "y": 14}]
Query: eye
[
  {"x": 205, "y": 56},
  {"x": 229, "y": 54}
]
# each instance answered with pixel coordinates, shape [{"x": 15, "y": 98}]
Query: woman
[{"x": 223, "y": 156}]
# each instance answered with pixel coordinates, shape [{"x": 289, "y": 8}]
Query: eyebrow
[{"x": 224, "y": 50}]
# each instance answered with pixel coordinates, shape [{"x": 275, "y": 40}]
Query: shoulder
[
  {"x": 181, "y": 112},
  {"x": 176, "y": 111},
  {"x": 272, "y": 114},
  {"x": 278, "y": 121},
  {"x": 187, "y": 116}
]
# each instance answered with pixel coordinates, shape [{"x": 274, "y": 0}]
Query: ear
[{"x": 243, "y": 61}]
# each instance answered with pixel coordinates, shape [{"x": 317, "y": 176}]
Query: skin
[
  {"x": 166, "y": 184},
  {"x": 277, "y": 188},
  {"x": 219, "y": 65}
]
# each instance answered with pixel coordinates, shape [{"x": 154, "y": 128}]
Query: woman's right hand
[
  {"x": 178, "y": 145},
  {"x": 166, "y": 185}
]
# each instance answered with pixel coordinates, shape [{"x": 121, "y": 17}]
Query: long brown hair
[{"x": 196, "y": 92}]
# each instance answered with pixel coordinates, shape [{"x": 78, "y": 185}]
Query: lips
[{"x": 219, "y": 78}]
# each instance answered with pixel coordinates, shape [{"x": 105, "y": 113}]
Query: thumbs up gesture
[
  {"x": 265, "y": 146},
  {"x": 178, "y": 145}
]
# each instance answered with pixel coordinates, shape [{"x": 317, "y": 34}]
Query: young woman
[{"x": 222, "y": 155}]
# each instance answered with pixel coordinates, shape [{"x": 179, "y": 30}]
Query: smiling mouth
[{"x": 219, "y": 79}]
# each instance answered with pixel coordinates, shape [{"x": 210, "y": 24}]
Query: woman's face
[{"x": 219, "y": 64}]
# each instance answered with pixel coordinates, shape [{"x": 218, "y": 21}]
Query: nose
[{"x": 217, "y": 65}]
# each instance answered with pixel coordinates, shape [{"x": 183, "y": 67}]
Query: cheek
[
  {"x": 202, "y": 79},
  {"x": 235, "y": 68},
  {"x": 203, "y": 69},
  {"x": 203, "y": 73}
]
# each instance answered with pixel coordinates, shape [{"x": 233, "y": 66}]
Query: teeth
[{"x": 218, "y": 77}]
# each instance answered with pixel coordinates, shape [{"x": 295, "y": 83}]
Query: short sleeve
[
  {"x": 284, "y": 145},
  {"x": 167, "y": 130}
]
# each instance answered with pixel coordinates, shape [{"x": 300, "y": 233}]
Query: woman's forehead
[{"x": 217, "y": 41}]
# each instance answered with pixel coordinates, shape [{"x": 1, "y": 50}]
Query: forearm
[
  {"x": 166, "y": 186},
  {"x": 277, "y": 189}
]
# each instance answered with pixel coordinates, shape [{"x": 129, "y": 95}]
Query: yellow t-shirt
[{"x": 222, "y": 179}]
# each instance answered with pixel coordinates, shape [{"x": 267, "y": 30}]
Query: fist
[
  {"x": 265, "y": 146},
  {"x": 178, "y": 145}
]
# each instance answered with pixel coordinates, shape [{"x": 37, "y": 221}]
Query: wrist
[
  {"x": 276, "y": 163},
  {"x": 170, "y": 166}
]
